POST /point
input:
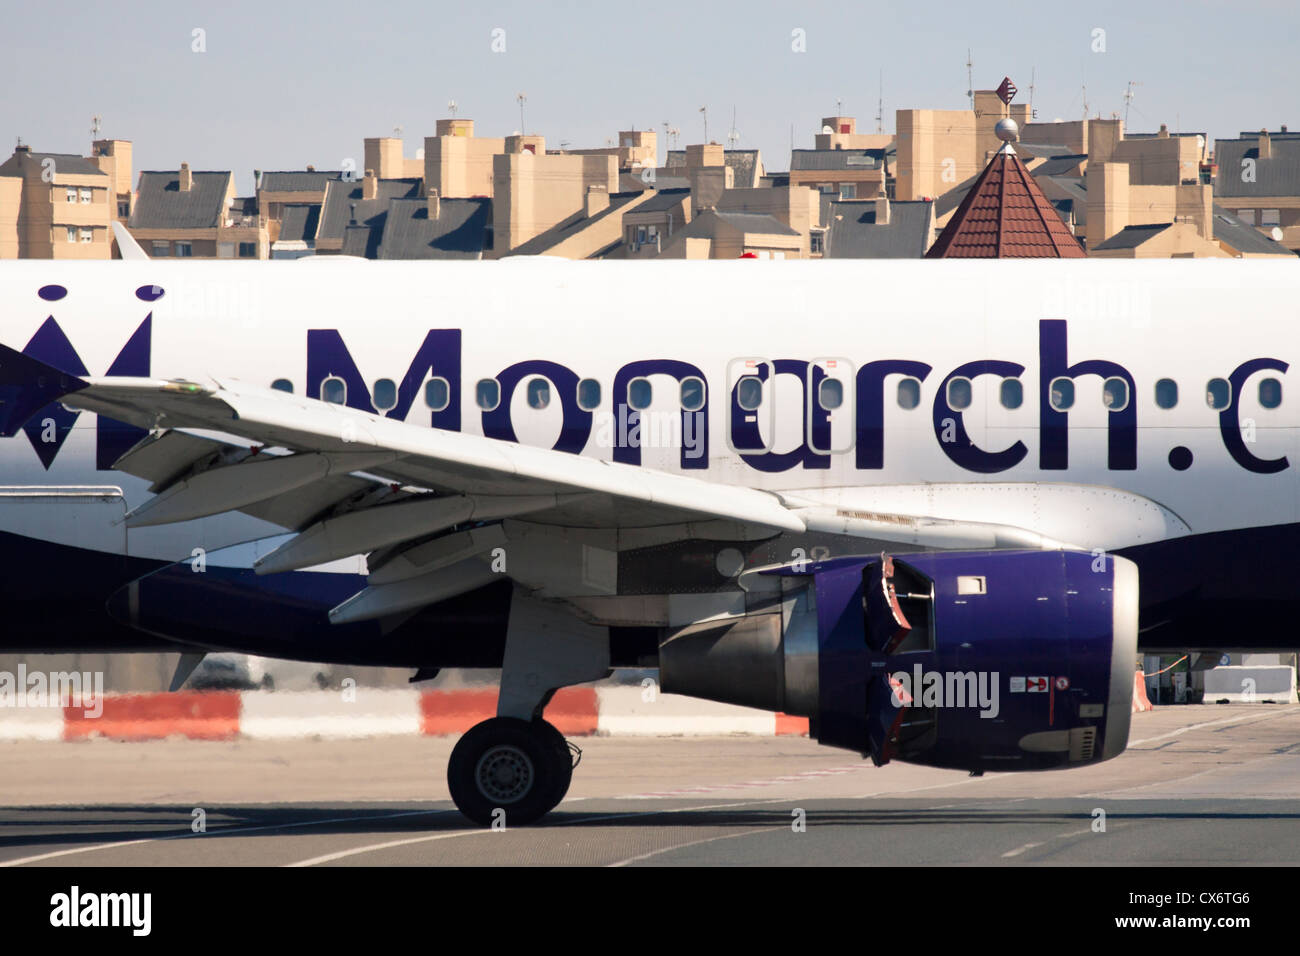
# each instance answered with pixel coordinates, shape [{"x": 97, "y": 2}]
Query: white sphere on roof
[{"x": 1007, "y": 130}]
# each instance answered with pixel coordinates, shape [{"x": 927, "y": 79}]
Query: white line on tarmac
[
  {"x": 357, "y": 851},
  {"x": 222, "y": 832},
  {"x": 1208, "y": 723},
  {"x": 683, "y": 846}
]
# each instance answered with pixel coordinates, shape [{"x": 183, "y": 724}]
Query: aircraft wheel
[{"x": 506, "y": 764}]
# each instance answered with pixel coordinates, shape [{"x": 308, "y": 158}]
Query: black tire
[
  {"x": 511, "y": 765},
  {"x": 563, "y": 758}
]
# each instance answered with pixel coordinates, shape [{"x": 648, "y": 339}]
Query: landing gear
[{"x": 522, "y": 768}]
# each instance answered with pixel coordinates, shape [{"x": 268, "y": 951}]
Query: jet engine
[{"x": 972, "y": 660}]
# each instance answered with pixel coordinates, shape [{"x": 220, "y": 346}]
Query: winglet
[
  {"x": 126, "y": 244},
  {"x": 26, "y": 386}
]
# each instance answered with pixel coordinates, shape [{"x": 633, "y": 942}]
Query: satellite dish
[
  {"x": 827, "y": 129},
  {"x": 1276, "y": 234}
]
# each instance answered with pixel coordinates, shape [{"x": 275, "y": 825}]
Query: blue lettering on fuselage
[{"x": 439, "y": 355}]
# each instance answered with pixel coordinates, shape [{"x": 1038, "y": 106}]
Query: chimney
[
  {"x": 435, "y": 205},
  {"x": 352, "y": 214},
  {"x": 1164, "y": 131},
  {"x": 1265, "y": 145},
  {"x": 882, "y": 211},
  {"x": 369, "y": 185},
  {"x": 187, "y": 178},
  {"x": 597, "y": 199}
]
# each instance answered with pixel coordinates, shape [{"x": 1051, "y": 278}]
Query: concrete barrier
[
  {"x": 1251, "y": 684},
  {"x": 371, "y": 712},
  {"x": 1141, "y": 701}
]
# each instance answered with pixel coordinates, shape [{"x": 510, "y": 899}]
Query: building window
[
  {"x": 588, "y": 394},
  {"x": 692, "y": 393},
  {"x": 1270, "y": 393},
  {"x": 384, "y": 395},
  {"x": 225, "y": 250},
  {"x": 334, "y": 390},
  {"x": 72, "y": 194},
  {"x": 848, "y": 191},
  {"x": 639, "y": 393},
  {"x": 84, "y": 194},
  {"x": 161, "y": 249},
  {"x": 909, "y": 393},
  {"x": 1218, "y": 393},
  {"x": 85, "y": 234},
  {"x": 1062, "y": 394},
  {"x": 1166, "y": 393},
  {"x": 1012, "y": 393},
  {"x": 283, "y": 385},
  {"x": 1270, "y": 217},
  {"x": 817, "y": 243},
  {"x": 248, "y": 250},
  {"x": 827, "y": 188},
  {"x": 959, "y": 394},
  {"x": 437, "y": 394},
  {"x": 124, "y": 209},
  {"x": 184, "y": 250},
  {"x": 538, "y": 392},
  {"x": 1247, "y": 216},
  {"x": 72, "y": 234},
  {"x": 749, "y": 392},
  {"x": 487, "y": 394},
  {"x": 1114, "y": 394}
]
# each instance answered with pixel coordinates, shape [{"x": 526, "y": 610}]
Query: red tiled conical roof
[{"x": 1006, "y": 216}]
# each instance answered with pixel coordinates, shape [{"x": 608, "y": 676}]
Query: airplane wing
[{"x": 364, "y": 482}]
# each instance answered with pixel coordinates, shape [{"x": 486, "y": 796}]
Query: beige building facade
[{"x": 57, "y": 205}]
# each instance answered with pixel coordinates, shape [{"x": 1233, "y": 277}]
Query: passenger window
[
  {"x": 1166, "y": 393},
  {"x": 1270, "y": 393},
  {"x": 385, "y": 394},
  {"x": 1218, "y": 393},
  {"x": 588, "y": 394},
  {"x": 959, "y": 393},
  {"x": 334, "y": 390},
  {"x": 1062, "y": 396},
  {"x": 1013, "y": 393},
  {"x": 283, "y": 385},
  {"x": 487, "y": 394},
  {"x": 909, "y": 393},
  {"x": 830, "y": 394},
  {"x": 1114, "y": 394},
  {"x": 539, "y": 393},
  {"x": 437, "y": 394},
  {"x": 692, "y": 393},
  {"x": 639, "y": 393},
  {"x": 749, "y": 392}
]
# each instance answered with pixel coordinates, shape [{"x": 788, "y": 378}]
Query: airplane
[{"x": 936, "y": 507}]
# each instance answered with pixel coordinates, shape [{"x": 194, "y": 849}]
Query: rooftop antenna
[
  {"x": 94, "y": 127},
  {"x": 522, "y": 98},
  {"x": 397, "y": 130},
  {"x": 1128, "y": 99},
  {"x": 880, "y": 103},
  {"x": 1032, "y": 114},
  {"x": 1085, "y": 100},
  {"x": 970, "y": 79},
  {"x": 705, "y": 111},
  {"x": 733, "y": 137},
  {"x": 451, "y": 108},
  {"x": 674, "y": 133},
  {"x": 839, "y": 107}
]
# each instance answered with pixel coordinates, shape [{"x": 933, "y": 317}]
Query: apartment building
[{"x": 59, "y": 205}]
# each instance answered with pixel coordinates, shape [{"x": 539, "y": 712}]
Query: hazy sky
[{"x": 282, "y": 85}]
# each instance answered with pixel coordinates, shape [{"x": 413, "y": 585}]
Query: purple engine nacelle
[{"x": 988, "y": 660}]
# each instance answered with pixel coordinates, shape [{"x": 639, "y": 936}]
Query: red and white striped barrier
[
  {"x": 1141, "y": 701},
  {"x": 369, "y": 712}
]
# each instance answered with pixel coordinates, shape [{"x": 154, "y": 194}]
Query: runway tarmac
[{"x": 1198, "y": 785}]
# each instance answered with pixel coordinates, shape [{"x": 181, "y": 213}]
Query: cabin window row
[{"x": 749, "y": 393}]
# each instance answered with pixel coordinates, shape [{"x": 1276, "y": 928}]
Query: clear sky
[{"x": 281, "y": 84}]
